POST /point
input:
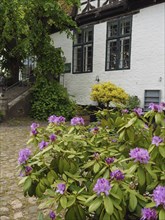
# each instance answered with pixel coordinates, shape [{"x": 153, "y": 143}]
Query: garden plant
[
  {"x": 113, "y": 169},
  {"x": 107, "y": 92}
]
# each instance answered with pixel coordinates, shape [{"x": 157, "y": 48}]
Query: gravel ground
[{"x": 13, "y": 205}]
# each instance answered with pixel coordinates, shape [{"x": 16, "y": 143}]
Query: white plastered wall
[{"x": 147, "y": 70}]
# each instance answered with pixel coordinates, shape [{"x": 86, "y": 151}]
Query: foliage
[
  {"x": 106, "y": 92},
  {"x": 49, "y": 97},
  {"x": 25, "y": 28},
  {"x": 132, "y": 102},
  {"x": 89, "y": 172}
]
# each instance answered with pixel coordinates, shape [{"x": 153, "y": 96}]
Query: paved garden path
[{"x": 13, "y": 204}]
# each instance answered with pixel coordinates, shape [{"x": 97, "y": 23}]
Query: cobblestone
[{"x": 13, "y": 204}]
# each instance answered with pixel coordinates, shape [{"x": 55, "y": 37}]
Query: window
[
  {"x": 83, "y": 51},
  {"x": 118, "y": 44},
  {"x": 151, "y": 96}
]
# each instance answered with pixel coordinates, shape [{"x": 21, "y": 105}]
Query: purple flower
[
  {"x": 162, "y": 104},
  {"x": 148, "y": 214},
  {"x": 156, "y": 140},
  {"x": 24, "y": 155},
  {"x": 28, "y": 170},
  {"x": 155, "y": 107},
  {"x": 139, "y": 154},
  {"x": 125, "y": 111},
  {"x": 52, "y": 215},
  {"x": 138, "y": 111},
  {"x": 159, "y": 195},
  {"x": 34, "y": 127},
  {"x": 97, "y": 156},
  {"x": 43, "y": 144},
  {"x": 117, "y": 174},
  {"x": 53, "y": 137},
  {"x": 94, "y": 130},
  {"x": 109, "y": 160},
  {"x": 56, "y": 120},
  {"x": 114, "y": 140},
  {"x": 77, "y": 121},
  {"x": 61, "y": 188},
  {"x": 102, "y": 186}
]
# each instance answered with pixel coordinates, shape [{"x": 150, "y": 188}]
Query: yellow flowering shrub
[{"x": 107, "y": 92}]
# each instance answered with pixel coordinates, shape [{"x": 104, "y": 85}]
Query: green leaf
[
  {"x": 91, "y": 198},
  {"x": 132, "y": 169},
  {"x": 158, "y": 118},
  {"x": 88, "y": 164},
  {"x": 96, "y": 167},
  {"x": 63, "y": 201},
  {"x": 162, "y": 150},
  {"x": 38, "y": 191},
  {"x": 70, "y": 214},
  {"x": 150, "y": 205},
  {"x": 81, "y": 213},
  {"x": 162, "y": 214},
  {"x": 40, "y": 216},
  {"x": 108, "y": 205},
  {"x": 132, "y": 202},
  {"x": 95, "y": 204},
  {"x": 71, "y": 200},
  {"x": 23, "y": 180},
  {"x": 141, "y": 176},
  {"x": 50, "y": 177},
  {"x": 27, "y": 184},
  {"x": 106, "y": 216}
]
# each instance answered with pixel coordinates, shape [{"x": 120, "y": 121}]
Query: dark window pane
[
  {"x": 88, "y": 35},
  {"x": 124, "y": 53},
  {"x": 77, "y": 59},
  {"x": 78, "y": 38},
  {"x": 112, "y": 29},
  {"x": 112, "y": 54},
  {"x": 87, "y": 64},
  {"x": 125, "y": 27}
]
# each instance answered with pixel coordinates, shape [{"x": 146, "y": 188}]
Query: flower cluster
[
  {"x": 117, "y": 174},
  {"x": 52, "y": 137},
  {"x": 138, "y": 111},
  {"x": 148, "y": 214},
  {"x": 155, "y": 107},
  {"x": 157, "y": 140},
  {"x": 102, "y": 186},
  {"x": 24, "y": 155},
  {"x": 124, "y": 111},
  {"x": 34, "y": 127},
  {"x": 56, "y": 120},
  {"x": 94, "y": 130},
  {"x": 52, "y": 215},
  {"x": 43, "y": 144},
  {"x": 159, "y": 195},
  {"x": 109, "y": 160},
  {"x": 28, "y": 170},
  {"x": 139, "y": 154},
  {"x": 61, "y": 188},
  {"x": 77, "y": 121}
]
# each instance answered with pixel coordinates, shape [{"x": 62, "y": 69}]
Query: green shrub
[
  {"x": 132, "y": 102},
  {"x": 50, "y": 98},
  {"x": 91, "y": 172}
]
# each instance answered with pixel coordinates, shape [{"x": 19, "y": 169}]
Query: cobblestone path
[{"x": 13, "y": 204}]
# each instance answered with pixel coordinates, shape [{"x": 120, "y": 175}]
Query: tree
[{"x": 25, "y": 28}]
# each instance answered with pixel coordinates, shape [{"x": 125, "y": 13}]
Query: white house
[{"x": 122, "y": 41}]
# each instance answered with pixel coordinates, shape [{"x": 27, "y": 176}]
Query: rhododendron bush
[{"x": 113, "y": 169}]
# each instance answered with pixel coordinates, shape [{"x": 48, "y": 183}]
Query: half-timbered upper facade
[{"x": 121, "y": 41}]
